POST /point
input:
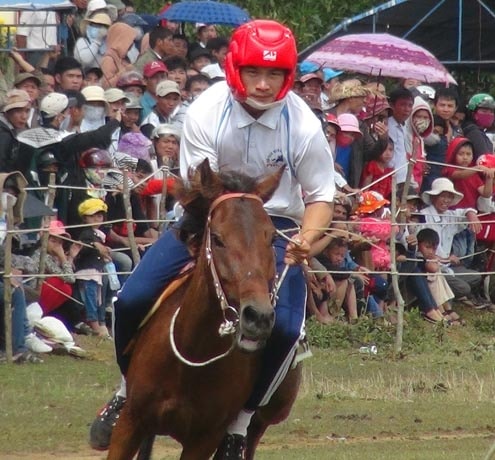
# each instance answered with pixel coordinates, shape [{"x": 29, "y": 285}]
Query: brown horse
[{"x": 188, "y": 376}]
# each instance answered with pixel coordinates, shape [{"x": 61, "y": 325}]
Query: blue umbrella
[{"x": 207, "y": 12}]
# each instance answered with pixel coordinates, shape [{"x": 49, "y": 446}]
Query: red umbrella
[{"x": 381, "y": 54}]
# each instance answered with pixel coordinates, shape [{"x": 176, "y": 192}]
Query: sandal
[
  {"x": 27, "y": 357},
  {"x": 445, "y": 321},
  {"x": 452, "y": 315}
]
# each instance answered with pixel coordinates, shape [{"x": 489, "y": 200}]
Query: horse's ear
[
  {"x": 210, "y": 182},
  {"x": 266, "y": 187}
]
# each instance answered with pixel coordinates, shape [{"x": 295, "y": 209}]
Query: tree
[{"x": 309, "y": 19}]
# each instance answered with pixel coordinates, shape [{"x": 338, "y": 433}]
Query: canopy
[
  {"x": 458, "y": 32},
  {"x": 11, "y": 5}
]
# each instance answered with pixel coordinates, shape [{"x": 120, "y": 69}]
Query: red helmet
[
  {"x": 261, "y": 43},
  {"x": 487, "y": 159},
  {"x": 95, "y": 158}
]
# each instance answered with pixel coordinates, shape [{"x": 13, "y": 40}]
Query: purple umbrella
[{"x": 381, "y": 54}]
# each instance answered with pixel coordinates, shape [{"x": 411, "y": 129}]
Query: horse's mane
[{"x": 203, "y": 187}]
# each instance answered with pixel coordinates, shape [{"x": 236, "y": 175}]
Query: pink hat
[
  {"x": 348, "y": 123},
  {"x": 57, "y": 229}
]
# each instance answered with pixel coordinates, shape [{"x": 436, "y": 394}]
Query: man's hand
[{"x": 297, "y": 251}]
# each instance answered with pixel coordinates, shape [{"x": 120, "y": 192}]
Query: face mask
[
  {"x": 92, "y": 113},
  {"x": 421, "y": 125},
  {"x": 64, "y": 126},
  {"x": 132, "y": 54},
  {"x": 261, "y": 106},
  {"x": 484, "y": 120},
  {"x": 93, "y": 32},
  {"x": 8, "y": 198},
  {"x": 344, "y": 140}
]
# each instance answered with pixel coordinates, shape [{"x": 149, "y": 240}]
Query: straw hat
[
  {"x": 347, "y": 89},
  {"x": 440, "y": 185},
  {"x": 16, "y": 99}
]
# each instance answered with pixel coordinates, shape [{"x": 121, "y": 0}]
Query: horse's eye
[{"x": 216, "y": 240}]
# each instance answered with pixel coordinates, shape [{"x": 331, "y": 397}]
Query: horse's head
[{"x": 237, "y": 246}]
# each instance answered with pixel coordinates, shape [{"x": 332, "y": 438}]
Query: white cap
[
  {"x": 116, "y": 94},
  {"x": 93, "y": 93},
  {"x": 94, "y": 5},
  {"x": 166, "y": 87},
  {"x": 53, "y": 104},
  {"x": 213, "y": 71}
]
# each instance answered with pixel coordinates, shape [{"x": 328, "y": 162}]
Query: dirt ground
[{"x": 165, "y": 448}]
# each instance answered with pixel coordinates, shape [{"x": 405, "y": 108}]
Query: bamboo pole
[
  {"x": 395, "y": 275},
  {"x": 45, "y": 231},
  {"x": 7, "y": 284},
  {"x": 163, "y": 201},
  {"x": 129, "y": 221}
]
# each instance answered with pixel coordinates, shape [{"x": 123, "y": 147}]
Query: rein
[{"x": 227, "y": 327}]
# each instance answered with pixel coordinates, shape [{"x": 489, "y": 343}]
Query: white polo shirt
[{"x": 217, "y": 127}]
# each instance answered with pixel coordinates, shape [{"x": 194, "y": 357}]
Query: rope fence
[{"x": 397, "y": 221}]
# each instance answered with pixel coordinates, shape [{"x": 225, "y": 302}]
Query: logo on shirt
[
  {"x": 275, "y": 159},
  {"x": 269, "y": 55}
]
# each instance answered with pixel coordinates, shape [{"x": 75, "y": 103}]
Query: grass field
[{"x": 434, "y": 400}]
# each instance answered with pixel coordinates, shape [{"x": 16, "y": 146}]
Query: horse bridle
[{"x": 227, "y": 327}]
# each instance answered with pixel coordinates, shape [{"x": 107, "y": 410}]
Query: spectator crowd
[{"x": 81, "y": 128}]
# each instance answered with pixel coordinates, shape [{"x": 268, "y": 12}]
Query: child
[
  {"x": 475, "y": 182},
  {"x": 440, "y": 311},
  {"x": 471, "y": 180},
  {"x": 57, "y": 289},
  {"x": 447, "y": 222},
  {"x": 374, "y": 170},
  {"x": 90, "y": 262},
  {"x": 335, "y": 258}
]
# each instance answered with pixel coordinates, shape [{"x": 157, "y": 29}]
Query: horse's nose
[{"x": 258, "y": 322}]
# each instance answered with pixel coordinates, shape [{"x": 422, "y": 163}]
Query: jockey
[{"x": 252, "y": 123}]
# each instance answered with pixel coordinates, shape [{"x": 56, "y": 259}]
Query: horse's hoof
[
  {"x": 233, "y": 447},
  {"x": 101, "y": 428}
]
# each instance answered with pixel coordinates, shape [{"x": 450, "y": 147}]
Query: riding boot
[
  {"x": 102, "y": 427},
  {"x": 232, "y": 447}
]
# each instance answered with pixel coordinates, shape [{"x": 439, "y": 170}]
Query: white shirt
[
  {"x": 397, "y": 132},
  {"x": 217, "y": 127},
  {"x": 38, "y": 37},
  {"x": 447, "y": 225}
]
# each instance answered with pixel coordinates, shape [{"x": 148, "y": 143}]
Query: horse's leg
[
  {"x": 201, "y": 448},
  {"x": 277, "y": 410},
  {"x": 126, "y": 438},
  {"x": 146, "y": 448}
]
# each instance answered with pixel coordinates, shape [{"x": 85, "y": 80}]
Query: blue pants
[
  {"x": 20, "y": 325},
  {"x": 418, "y": 285},
  {"x": 90, "y": 296},
  {"x": 164, "y": 260}
]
